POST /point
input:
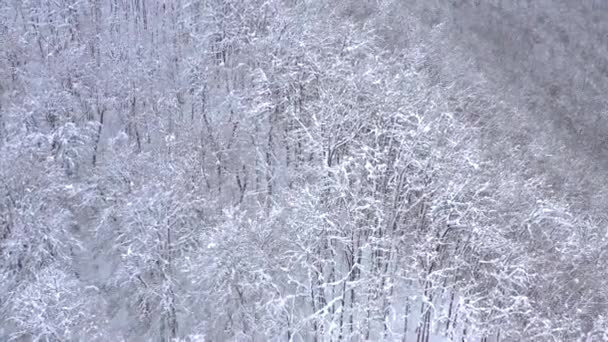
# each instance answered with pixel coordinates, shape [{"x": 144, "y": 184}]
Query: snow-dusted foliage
[{"x": 298, "y": 170}]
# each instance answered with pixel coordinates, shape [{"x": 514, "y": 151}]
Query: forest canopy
[{"x": 303, "y": 170}]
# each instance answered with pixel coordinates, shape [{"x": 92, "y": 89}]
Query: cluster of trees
[{"x": 276, "y": 170}]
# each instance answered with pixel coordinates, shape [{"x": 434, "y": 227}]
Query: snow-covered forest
[{"x": 303, "y": 170}]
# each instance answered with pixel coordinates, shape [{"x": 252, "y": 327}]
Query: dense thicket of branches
[{"x": 301, "y": 170}]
